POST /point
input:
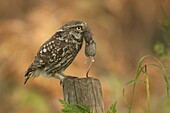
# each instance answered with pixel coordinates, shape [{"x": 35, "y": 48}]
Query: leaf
[
  {"x": 74, "y": 108},
  {"x": 160, "y": 49},
  {"x": 113, "y": 108},
  {"x": 125, "y": 100},
  {"x": 134, "y": 81}
]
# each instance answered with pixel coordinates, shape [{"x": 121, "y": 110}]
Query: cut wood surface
[{"x": 84, "y": 91}]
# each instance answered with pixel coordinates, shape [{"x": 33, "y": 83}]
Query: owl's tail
[{"x": 27, "y": 75}]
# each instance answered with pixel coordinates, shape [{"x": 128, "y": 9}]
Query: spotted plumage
[{"x": 57, "y": 53}]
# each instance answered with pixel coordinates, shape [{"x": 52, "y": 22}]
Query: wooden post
[{"x": 84, "y": 91}]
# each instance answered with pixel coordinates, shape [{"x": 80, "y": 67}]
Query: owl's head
[
  {"x": 74, "y": 26},
  {"x": 80, "y": 30}
]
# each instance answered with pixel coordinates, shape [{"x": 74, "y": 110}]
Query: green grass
[{"x": 142, "y": 70}]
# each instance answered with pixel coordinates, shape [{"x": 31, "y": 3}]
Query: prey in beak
[{"x": 90, "y": 48}]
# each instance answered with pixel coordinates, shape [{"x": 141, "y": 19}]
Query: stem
[
  {"x": 147, "y": 89},
  {"x": 133, "y": 92}
]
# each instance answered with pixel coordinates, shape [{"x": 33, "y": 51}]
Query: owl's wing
[
  {"x": 49, "y": 54},
  {"x": 40, "y": 60}
]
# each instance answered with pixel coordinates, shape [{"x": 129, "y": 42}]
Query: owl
[{"x": 58, "y": 52}]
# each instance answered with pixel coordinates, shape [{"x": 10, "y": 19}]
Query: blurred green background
[{"x": 125, "y": 30}]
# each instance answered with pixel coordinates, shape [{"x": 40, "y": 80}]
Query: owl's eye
[{"x": 79, "y": 28}]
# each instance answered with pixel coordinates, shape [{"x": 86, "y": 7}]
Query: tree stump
[{"x": 84, "y": 91}]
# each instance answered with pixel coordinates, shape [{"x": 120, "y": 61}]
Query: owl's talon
[{"x": 67, "y": 77}]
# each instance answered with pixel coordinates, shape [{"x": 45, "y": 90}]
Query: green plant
[
  {"x": 113, "y": 108},
  {"x": 76, "y": 108},
  {"x": 160, "y": 48}
]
